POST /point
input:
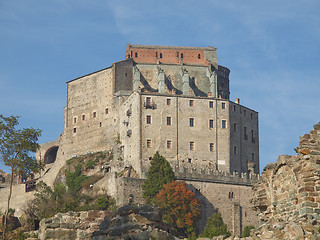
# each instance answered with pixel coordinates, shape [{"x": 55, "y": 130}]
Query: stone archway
[{"x": 51, "y": 155}]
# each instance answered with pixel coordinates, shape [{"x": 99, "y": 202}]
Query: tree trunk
[{"x": 8, "y": 207}]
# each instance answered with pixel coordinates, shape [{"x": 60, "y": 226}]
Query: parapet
[{"x": 195, "y": 172}]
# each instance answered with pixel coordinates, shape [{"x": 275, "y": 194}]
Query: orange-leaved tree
[{"x": 179, "y": 206}]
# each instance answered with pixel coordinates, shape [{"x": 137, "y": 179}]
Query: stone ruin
[{"x": 288, "y": 195}]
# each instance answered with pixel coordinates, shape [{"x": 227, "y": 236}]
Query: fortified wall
[{"x": 288, "y": 195}]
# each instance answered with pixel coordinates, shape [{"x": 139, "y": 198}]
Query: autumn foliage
[{"x": 179, "y": 206}]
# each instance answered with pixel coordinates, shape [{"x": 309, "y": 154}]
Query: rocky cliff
[{"x": 288, "y": 195}]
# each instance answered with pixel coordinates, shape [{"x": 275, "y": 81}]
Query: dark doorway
[{"x": 51, "y": 155}]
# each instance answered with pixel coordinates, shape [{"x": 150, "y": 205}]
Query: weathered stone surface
[{"x": 289, "y": 206}]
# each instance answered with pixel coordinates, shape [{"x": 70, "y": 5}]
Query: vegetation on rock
[
  {"x": 160, "y": 173},
  {"x": 215, "y": 227},
  {"x": 246, "y": 231}
]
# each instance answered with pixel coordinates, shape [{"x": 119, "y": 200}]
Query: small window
[
  {"x": 234, "y": 150},
  {"x": 75, "y": 120},
  {"x": 210, "y": 104},
  {"x": 136, "y": 54},
  {"x": 100, "y": 124},
  {"x": 107, "y": 111},
  {"x": 191, "y": 122},
  {"x": 148, "y": 119},
  {"x": 83, "y": 117},
  {"x": 191, "y": 146},
  {"x": 74, "y": 130},
  {"x": 94, "y": 114},
  {"x": 169, "y": 144},
  {"x": 199, "y": 56},
  {"x": 223, "y": 105},
  {"x": 245, "y": 133},
  {"x": 244, "y": 112},
  {"x": 211, "y": 147},
  {"x": 234, "y": 127},
  {"x": 251, "y": 115},
  {"x": 191, "y": 103},
  {"x": 169, "y": 121},
  {"x": 181, "y": 56},
  {"x": 234, "y": 108},
  {"x": 252, "y": 157},
  {"x": 148, "y": 101},
  {"x": 224, "y": 124},
  {"x": 148, "y": 143},
  {"x": 253, "y": 140},
  {"x": 210, "y": 123},
  {"x": 160, "y": 55},
  {"x": 168, "y": 101},
  {"x": 156, "y": 54},
  {"x": 189, "y": 160}
]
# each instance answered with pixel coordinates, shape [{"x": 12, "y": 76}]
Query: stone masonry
[{"x": 288, "y": 195}]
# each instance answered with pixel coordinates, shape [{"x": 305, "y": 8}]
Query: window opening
[
  {"x": 83, "y": 117},
  {"x": 223, "y": 105},
  {"x": 168, "y": 120},
  {"x": 192, "y": 146},
  {"x": 148, "y": 143},
  {"x": 169, "y": 144},
  {"x": 106, "y": 111},
  {"x": 210, "y": 123},
  {"x": 160, "y": 55},
  {"x": 199, "y": 56},
  {"x": 148, "y": 119},
  {"x": 191, "y": 122},
  {"x": 224, "y": 124},
  {"x": 94, "y": 114},
  {"x": 74, "y": 120},
  {"x": 136, "y": 54},
  {"x": 210, "y": 104},
  {"x": 168, "y": 101},
  {"x": 74, "y": 130},
  {"x": 211, "y": 147},
  {"x": 191, "y": 103}
]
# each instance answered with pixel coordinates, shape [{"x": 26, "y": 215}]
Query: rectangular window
[
  {"x": 245, "y": 133},
  {"x": 191, "y": 146},
  {"x": 160, "y": 55},
  {"x": 148, "y": 143},
  {"x": 168, "y": 101},
  {"x": 252, "y": 157},
  {"x": 148, "y": 119},
  {"x": 210, "y": 123},
  {"x": 251, "y": 115},
  {"x": 223, "y": 105},
  {"x": 189, "y": 160},
  {"x": 234, "y": 150},
  {"x": 210, "y": 104},
  {"x": 74, "y": 120},
  {"x": 94, "y": 114},
  {"x": 83, "y": 117},
  {"x": 191, "y": 122},
  {"x": 74, "y": 130},
  {"x": 168, "y": 120},
  {"x": 211, "y": 147},
  {"x": 224, "y": 124},
  {"x": 169, "y": 144},
  {"x": 191, "y": 103},
  {"x": 107, "y": 110},
  {"x": 234, "y": 127},
  {"x": 234, "y": 108},
  {"x": 244, "y": 112},
  {"x": 252, "y": 136},
  {"x": 148, "y": 101}
]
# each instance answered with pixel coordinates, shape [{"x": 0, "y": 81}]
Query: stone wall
[{"x": 289, "y": 190}]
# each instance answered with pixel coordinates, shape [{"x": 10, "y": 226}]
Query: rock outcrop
[
  {"x": 128, "y": 222},
  {"x": 288, "y": 194}
]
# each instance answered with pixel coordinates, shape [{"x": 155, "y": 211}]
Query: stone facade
[
  {"x": 288, "y": 194},
  {"x": 174, "y": 100}
]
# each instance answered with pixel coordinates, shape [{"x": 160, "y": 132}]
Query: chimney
[{"x": 237, "y": 100}]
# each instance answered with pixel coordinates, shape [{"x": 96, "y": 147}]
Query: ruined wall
[{"x": 289, "y": 190}]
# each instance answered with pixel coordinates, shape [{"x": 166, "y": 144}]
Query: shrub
[
  {"x": 246, "y": 231},
  {"x": 90, "y": 164},
  {"x": 102, "y": 203},
  {"x": 74, "y": 180},
  {"x": 215, "y": 227}
]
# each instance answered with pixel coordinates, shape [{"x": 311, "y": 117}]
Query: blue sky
[{"x": 271, "y": 47}]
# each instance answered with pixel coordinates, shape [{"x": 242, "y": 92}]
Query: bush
[
  {"x": 90, "y": 164},
  {"x": 74, "y": 180},
  {"x": 102, "y": 203},
  {"x": 215, "y": 227},
  {"x": 246, "y": 231}
]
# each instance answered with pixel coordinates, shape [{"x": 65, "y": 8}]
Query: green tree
[
  {"x": 246, "y": 231},
  {"x": 215, "y": 227},
  {"x": 15, "y": 147},
  {"x": 160, "y": 173},
  {"x": 179, "y": 206}
]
